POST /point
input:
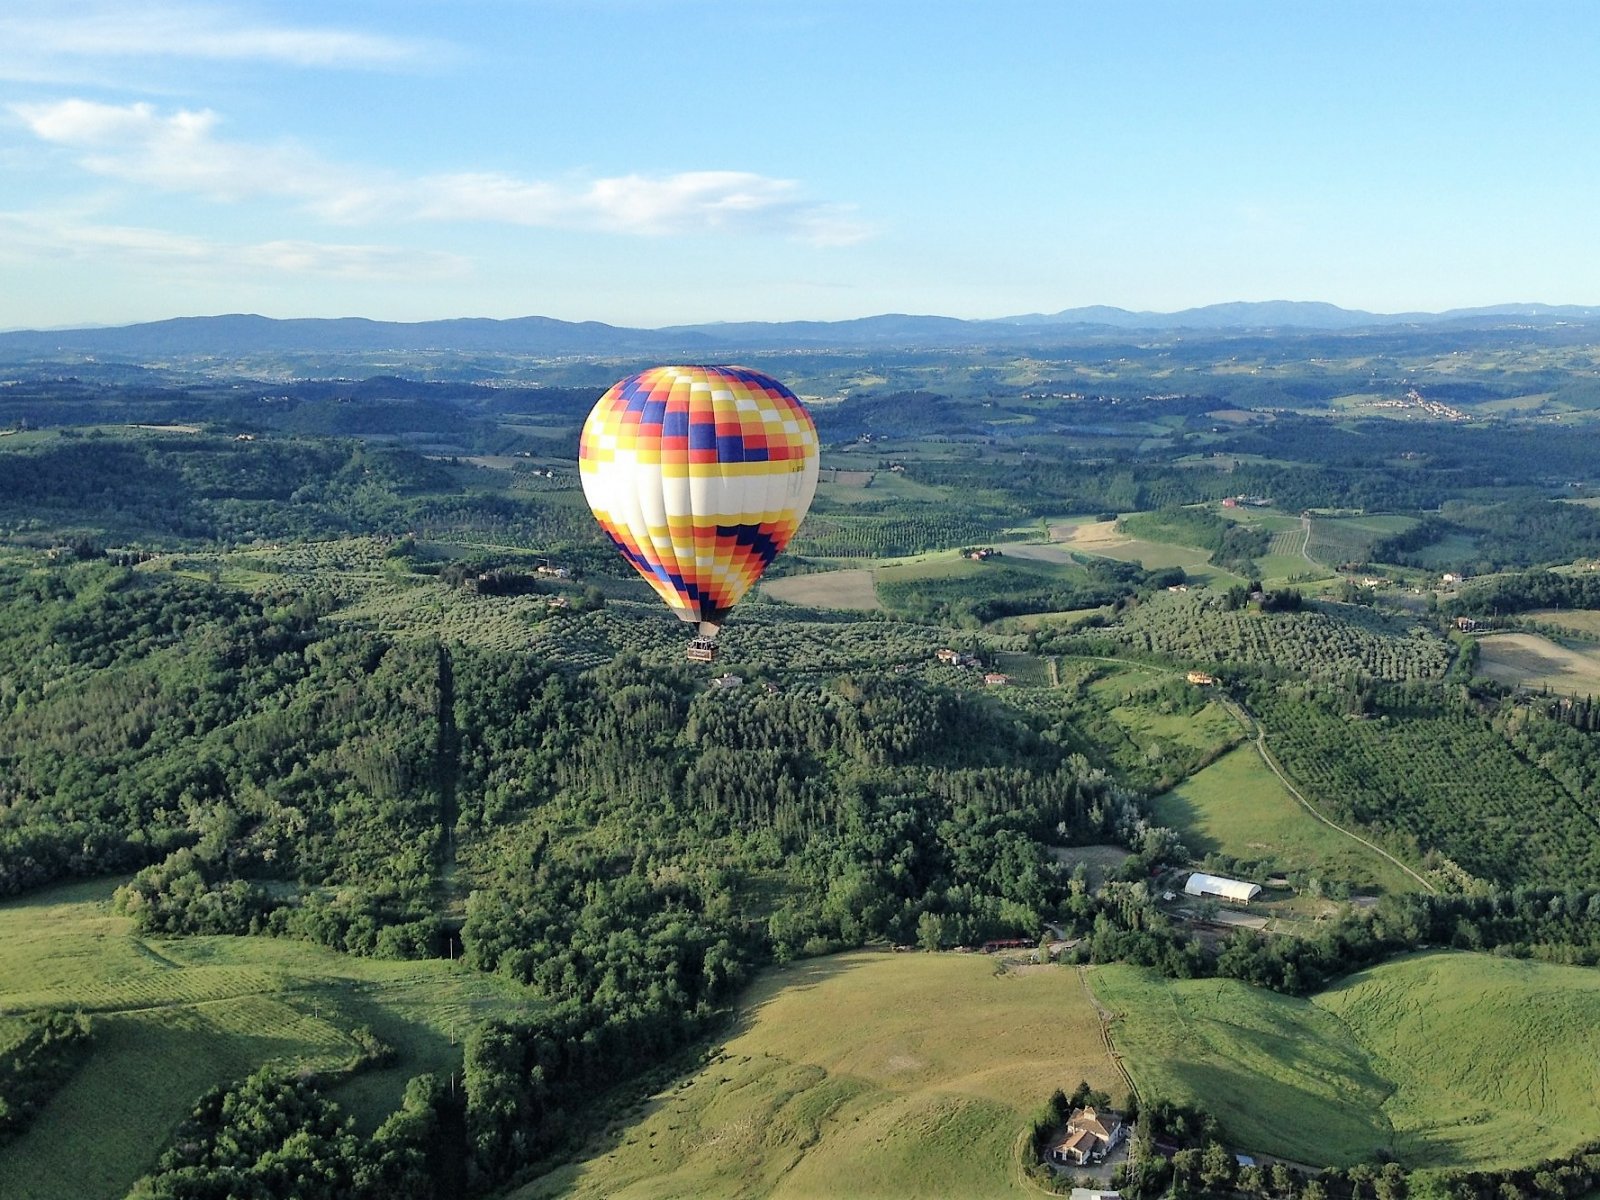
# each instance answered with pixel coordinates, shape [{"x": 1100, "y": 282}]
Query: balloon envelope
[{"x": 699, "y": 476}]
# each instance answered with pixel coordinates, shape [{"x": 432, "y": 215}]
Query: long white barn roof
[{"x": 1201, "y": 884}]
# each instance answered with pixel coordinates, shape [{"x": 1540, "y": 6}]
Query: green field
[
  {"x": 1336, "y": 540},
  {"x": 1423, "y": 1056},
  {"x": 173, "y": 1018},
  {"x": 1449, "y": 553},
  {"x": 865, "y": 1075},
  {"x": 1207, "y": 731},
  {"x": 1237, "y": 807}
]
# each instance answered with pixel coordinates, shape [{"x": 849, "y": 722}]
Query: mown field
[
  {"x": 171, "y": 1018},
  {"x": 1237, "y": 807},
  {"x": 865, "y": 1075},
  {"x": 1103, "y": 539},
  {"x": 1422, "y": 1057},
  {"x": 850, "y": 589},
  {"x": 1532, "y": 661}
]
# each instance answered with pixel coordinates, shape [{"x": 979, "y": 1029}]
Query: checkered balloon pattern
[{"x": 699, "y": 476}]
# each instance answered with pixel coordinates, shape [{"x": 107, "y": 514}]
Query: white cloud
[
  {"x": 686, "y": 202},
  {"x": 181, "y": 152},
  {"x": 102, "y": 31},
  {"x": 36, "y": 235},
  {"x": 176, "y": 153}
]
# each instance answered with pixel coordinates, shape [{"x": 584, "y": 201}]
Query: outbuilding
[{"x": 1235, "y": 891}]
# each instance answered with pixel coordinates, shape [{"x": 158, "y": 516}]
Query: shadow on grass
[
  {"x": 797, "y": 976},
  {"x": 1176, "y": 811}
]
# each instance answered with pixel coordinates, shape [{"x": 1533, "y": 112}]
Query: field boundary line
[
  {"x": 1106, "y": 1016},
  {"x": 1248, "y": 720},
  {"x": 1019, "y": 1163},
  {"x": 1305, "y": 547}
]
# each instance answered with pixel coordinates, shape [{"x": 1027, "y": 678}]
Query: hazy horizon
[{"x": 1513, "y": 304}]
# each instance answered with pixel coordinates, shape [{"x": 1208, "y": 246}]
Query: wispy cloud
[
  {"x": 685, "y": 202},
  {"x": 182, "y": 152},
  {"x": 177, "y": 152},
  {"x": 34, "y": 235},
  {"x": 55, "y": 31}
]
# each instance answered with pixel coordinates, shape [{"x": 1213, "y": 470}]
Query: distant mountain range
[{"x": 242, "y": 334}]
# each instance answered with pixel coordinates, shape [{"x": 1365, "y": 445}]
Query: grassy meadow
[
  {"x": 866, "y": 1075},
  {"x": 1207, "y": 731},
  {"x": 1422, "y": 1056},
  {"x": 1238, "y": 807},
  {"x": 171, "y": 1018},
  {"x": 1468, "y": 1038}
]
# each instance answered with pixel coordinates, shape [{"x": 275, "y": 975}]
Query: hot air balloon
[{"x": 699, "y": 476}]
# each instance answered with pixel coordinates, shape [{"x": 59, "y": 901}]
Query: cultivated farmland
[
  {"x": 1441, "y": 779},
  {"x": 1105, "y": 540},
  {"x": 1331, "y": 640},
  {"x": 1582, "y": 621},
  {"x": 1336, "y": 540}
]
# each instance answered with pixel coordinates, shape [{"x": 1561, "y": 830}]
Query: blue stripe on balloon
[
  {"x": 689, "y": 591},
  {"x": 754, "y": 538}
]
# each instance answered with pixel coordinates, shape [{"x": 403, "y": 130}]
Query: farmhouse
[
  {"x": 1201, "y": 678},
  {"x": 996, "y": 679},
  {"x": 1090, "y": 1135},
  {"x": 1235, "y": 891}
]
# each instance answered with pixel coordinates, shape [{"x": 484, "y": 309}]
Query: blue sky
[{"x": 650, "y": 162}]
